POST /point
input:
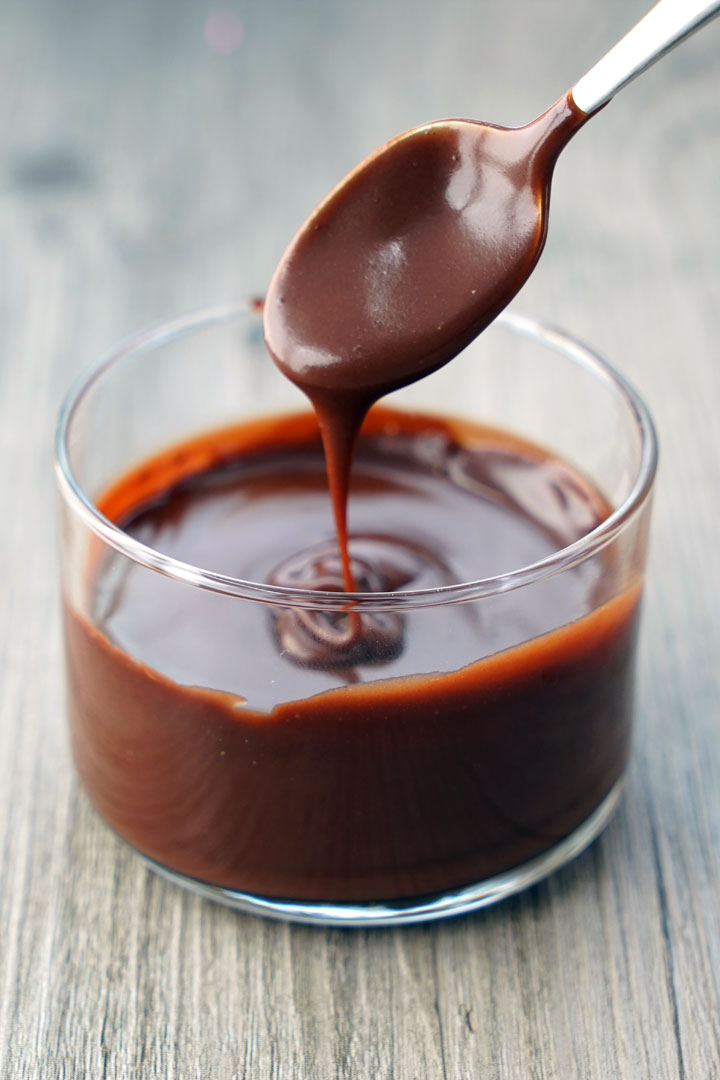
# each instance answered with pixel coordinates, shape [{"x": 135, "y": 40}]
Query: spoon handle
[{"x": 664, "y": 27}]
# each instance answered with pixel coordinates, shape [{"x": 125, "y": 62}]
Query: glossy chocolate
[{"x": 311, "y": 765}]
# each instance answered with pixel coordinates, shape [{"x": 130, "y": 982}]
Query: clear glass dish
[{"x": 353, "y": 814}]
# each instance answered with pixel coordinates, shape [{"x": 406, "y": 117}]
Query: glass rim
[{"x": 163, "y": 333}]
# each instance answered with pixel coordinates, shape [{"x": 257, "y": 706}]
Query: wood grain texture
[{"x": 141, "y": 175}]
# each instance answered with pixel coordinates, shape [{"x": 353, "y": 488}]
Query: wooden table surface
[{"x": 145, "y": 171}]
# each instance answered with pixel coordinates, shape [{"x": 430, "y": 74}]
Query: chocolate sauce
[
  {"x": 276, "y": 750},
  {"x": 408, "y": 260}
]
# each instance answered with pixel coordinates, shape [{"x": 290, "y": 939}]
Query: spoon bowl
[{"x": 414, "y": 253}]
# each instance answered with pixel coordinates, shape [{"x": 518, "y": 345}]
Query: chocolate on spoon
[{"x": 426, "y": 241}]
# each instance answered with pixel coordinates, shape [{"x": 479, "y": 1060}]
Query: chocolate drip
[{"x": 408, "y": 260}]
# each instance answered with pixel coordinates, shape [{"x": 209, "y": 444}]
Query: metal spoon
[{"x": 422, "y": 245}]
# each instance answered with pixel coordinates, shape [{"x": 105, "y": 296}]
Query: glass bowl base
[{"x": 411, "y": 909}]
